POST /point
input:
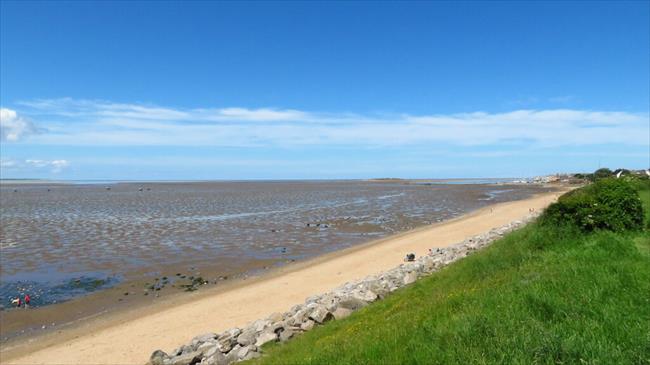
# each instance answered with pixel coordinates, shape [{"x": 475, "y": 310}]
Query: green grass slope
[{"x": 546, "y": 294}]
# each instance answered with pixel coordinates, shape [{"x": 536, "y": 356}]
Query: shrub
[
  {"x": 602, "y": 173},
  {"x": 608, "y": 204}
]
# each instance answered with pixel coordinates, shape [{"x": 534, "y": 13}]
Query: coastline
[{"x": 130, "y": 336}]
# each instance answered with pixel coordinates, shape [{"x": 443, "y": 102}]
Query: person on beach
[
  {"x": 16, "y": 302},
  {"x": 27, "y": 300}
]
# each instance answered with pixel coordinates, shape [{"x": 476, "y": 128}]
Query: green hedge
[{"x": 608, "y": 204}]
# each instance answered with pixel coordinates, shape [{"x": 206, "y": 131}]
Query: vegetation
[
  {"x": 546, "y": 294},
  {"x": 611, "y": 204}
]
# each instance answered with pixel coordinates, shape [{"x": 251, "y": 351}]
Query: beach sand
[{"x": 129, "y": 337}]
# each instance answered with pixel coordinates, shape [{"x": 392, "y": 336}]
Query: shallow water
[{"x": 54, "y": 237}]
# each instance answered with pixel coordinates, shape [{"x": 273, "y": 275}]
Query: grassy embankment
[{"x": 549, "y": 293}]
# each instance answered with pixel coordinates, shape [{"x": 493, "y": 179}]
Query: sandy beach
[{"x": 129, "y": 337}]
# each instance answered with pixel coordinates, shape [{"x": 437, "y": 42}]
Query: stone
[
  {"x": 352, "y": 303},
  {"x": 232, "y": 356},
  {"x": 198, "y": 340},
  {"x": 265, "y": 337},
  {"x": 276, "y": 327},
  {"x": 251, "y": 355},
  {"x": 275, "y": 317},
  {"x": 158, "y": 357},
  {"x": 300, "y": 316},
  {"x": 242, "y": 352},
  {"x": 260, "y": 324},
  {"x": 320, "y": 314},
  {"x": 307, "y": 325},
  {"x": 367, "y": 296},
  {"x": 208, "y": 349},
  {"x": 247, "y": 337},
  {"x": 379, "y": 288},
  {"x": 216, "y": 359},
  {"x": 410, "y": 278},
  {"x": 341, "y": 313},
  {"x": 286, "y": 334},
  {"x": 225, "y": 342},
  {"x": 190, "y": 358}
]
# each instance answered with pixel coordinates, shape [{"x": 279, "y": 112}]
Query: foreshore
[{"x": 129, "y": 337}]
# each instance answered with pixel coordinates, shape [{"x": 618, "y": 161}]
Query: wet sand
[
  {"x": 129, "y": 336},
  {"x": 152, "y": 240}
]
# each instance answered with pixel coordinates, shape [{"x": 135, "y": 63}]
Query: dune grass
[{"x": 540, "y": 295}]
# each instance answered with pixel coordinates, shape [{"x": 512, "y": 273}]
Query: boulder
[
  {"x": 341, "y": 313},
  {"x": 182, "y": 350},
  {"x": 233, "y": 355},
  {"x": 320, "y": 314},
  {"x": 286, "y": 334},
  {"x": 247, "y": 337},
  {"x": 226, "y": 341},
  {"x": 367, "y": 296},
  {"x": 275, "y": 317},
  {"x": 244, "y": 351},
  {"x": 352, "y": 303},
  {"x": 265, "y": 337},
  {"x": 410, "y": 277},
  {"x": 300, "y": 316},
  {"x": 190, "y": 358},
  {"x": 261, "y": 324},
  {"x": 198, "y": 340},
  {"x": 215, "y": 359},
  {"x": 208, "y": 349},
  {"x": 307, "y": 325},
  {"x": 158, "y": 357}
]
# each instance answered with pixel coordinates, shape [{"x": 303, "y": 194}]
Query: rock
[
  {"x": 308, "y": 325},
  {"x": 277, "y": 327},
  {"x": 352, "y": 303},
  {"x": 247, "y": 337},
  {"x": 216, "y": 359},
  {"x": 243, "y": 352},
  {"x": 190, "y": 358},
  {"x": 380, "y": 289},
  {"x": 286, "y": 334},
  {"x": 232, "y": 356},
  {"x": 265, "y": 337},
  {"x": 261, "y": 324},
  {"x": 208, "y": 349},
  {"x": 251, "y": 355},
  {"x": 366, "y": 296},
  {"x": 182, "y": 350},
  {"x": 341, "y": 313},
  {"x": 320, "y": 314},
  {"x": 158, "y": 357},
  {"x": 275, "y": 317},
  {"x": 204, "y": 337},
  {"x": 410, "y": 278},
  {"x": 226, "y": 341},
  {"x": 300, "y": 316}
]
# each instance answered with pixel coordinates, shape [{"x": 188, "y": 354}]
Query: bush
[
  {"x": 608, "y": 204},
  {"x": 602, "y": 173}
]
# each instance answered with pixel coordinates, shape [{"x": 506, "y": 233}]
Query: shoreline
[{"x": 130, "y": 336}]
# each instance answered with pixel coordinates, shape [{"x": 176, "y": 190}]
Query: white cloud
[
  {"x": 55, "y": 166},
  {"x": 14, "y": 127},
  {"x": 7, "y": 163},
  {"x": 83, "y": 122},
  {"x": 265, "y": 115}
]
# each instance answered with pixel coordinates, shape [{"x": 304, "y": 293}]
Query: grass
[{"x": 540, "y": 295}]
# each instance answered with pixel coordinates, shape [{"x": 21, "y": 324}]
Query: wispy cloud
[
  {"x": 53, "y": 166},
  {"x": 86, "y": 122}
]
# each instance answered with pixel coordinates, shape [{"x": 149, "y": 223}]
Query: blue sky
[{"x": 198, "y": 90}]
